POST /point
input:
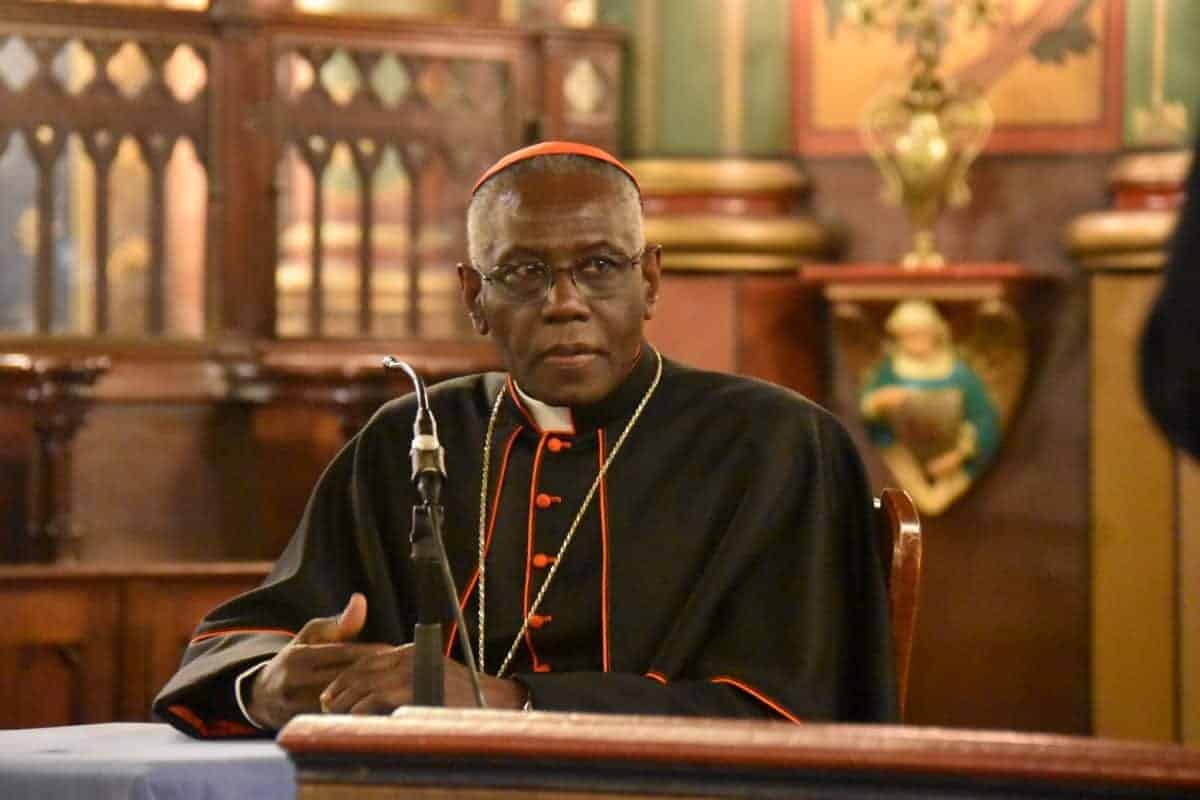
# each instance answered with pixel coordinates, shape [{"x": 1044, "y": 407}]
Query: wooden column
[
  {"x": 241, "y": 175},
  {"x": 58, "y": 392},
  {"x": 1144, "y": 606}
]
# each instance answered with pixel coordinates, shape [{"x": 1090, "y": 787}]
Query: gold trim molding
[
  {"x": 667, "y": 176},
  {"x": 794, "y": 236},
  {"x": 691, "y": 261},
  {"x": 1120, "y": 239},
  {"x": 943, "y": 292},
  {"x": 1154, "y": 168}
]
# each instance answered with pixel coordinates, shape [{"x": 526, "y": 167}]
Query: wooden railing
[
  {"x": 268, "y": 174},
  {"x": 103, "y": 83}
]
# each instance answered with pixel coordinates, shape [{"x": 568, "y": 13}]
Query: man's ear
[
  {"x": 471, "y": 290},
  {"x": 652, "y": 276}
]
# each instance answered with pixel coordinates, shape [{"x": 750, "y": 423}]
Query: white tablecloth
[{"x": 139, "y": 761}]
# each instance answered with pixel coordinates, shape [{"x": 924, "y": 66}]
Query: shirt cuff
[{"x": 237, "y": 693}]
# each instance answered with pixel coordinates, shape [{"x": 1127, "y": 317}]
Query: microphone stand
[{"x": 434, "y": 582}]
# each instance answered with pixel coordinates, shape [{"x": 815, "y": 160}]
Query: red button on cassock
[
  {"x": 544, "y": 500},
  {"x": 554, "y": 445},
  {"x": 538, "y": 621},
  {"x": 541, "y": 560}
]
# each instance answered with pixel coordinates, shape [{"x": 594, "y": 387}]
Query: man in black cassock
[
  {"x": 655, "y": 539},
  {"x": 1169, "y": 355}
]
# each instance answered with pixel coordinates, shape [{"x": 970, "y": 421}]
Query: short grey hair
[{"x": 482, "y": 204}]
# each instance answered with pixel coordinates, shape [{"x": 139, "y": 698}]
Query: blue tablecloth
[{"x": 142, "y": 761}]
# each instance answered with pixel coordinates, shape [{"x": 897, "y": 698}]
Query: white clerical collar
[{"x": 551, "y": 419}]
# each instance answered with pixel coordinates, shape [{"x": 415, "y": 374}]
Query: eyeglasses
[{"x": 594, "y": 276}]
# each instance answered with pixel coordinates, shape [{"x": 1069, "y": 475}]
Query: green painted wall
[
  {"x": 685, "y": 51},
  {"x": 768, "y": 78},
  {"x": 621, "y": 14},
  {"x": 689, "y": 78},
  {"x": 1181, "y": 86},
  {"x": 686, "y": 57}
]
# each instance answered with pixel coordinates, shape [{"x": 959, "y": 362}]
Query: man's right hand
[{"x": 291, "y": 683}]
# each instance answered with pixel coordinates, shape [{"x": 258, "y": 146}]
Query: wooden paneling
[
  {"x": 304, "y": 438},
  {"x": 156, "y": 482},
  {"x": 764, "y": 326},
  {"x": 696, "y": 320},
  {"x": 160, "y": 613},
  {"x": 94, "y": 644},
  {"x": 1189, "y": 600},
  {"x": 781, "y": 333},
  {"x": 16, "y": 447},
  {"x": 59, "y": 653}
]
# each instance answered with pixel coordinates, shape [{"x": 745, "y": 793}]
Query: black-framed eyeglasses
[{"x": 595, "y": 276}]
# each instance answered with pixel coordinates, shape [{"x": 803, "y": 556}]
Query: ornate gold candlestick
[{"x": 924, "y": 134}]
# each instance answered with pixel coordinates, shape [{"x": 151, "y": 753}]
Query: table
[{"x": 139, "y": 761}]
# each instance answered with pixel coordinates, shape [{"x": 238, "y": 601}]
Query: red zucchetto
[{"x": 551, "y": 149}]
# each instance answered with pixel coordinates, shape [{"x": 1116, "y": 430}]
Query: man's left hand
[{"x": 381, "y": 683}]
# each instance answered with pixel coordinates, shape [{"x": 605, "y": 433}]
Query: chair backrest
[{"x": 899, "y": 529}]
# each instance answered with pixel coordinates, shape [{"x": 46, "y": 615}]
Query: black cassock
[
  {"x": 727, "y": 565},
  {"x": 1170, "y": 346}
]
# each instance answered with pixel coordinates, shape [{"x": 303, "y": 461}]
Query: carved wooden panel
[
  {"x": 105, "y": 145},
  {"x": 581, "y": 74},
  {"x": 59, "y": 654},
  {"x": 96, "y": 643},
  {"x": 379, "y": 143},
  {"x": 254, "y": 171}
]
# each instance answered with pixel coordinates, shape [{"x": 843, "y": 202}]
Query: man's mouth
[{"x": 570, "y": 355}]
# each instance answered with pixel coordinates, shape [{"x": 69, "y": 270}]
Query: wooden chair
[{"x": 899, "y": 530}]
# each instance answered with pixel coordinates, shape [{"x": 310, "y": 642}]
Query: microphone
[
  {"x": 429, "y": 557},
  {"x": 428, "y": 456}
]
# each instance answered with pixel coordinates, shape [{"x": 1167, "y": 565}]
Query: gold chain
[{"x": 483, "y": 490}]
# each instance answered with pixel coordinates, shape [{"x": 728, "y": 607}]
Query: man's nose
[{"x": 564, "y": 296}]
